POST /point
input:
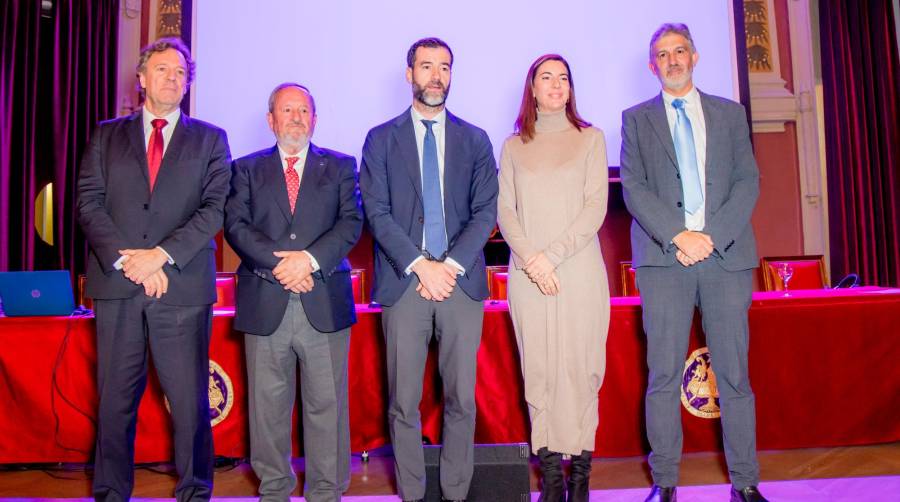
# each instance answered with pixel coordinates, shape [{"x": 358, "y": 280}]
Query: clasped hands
[
  {"x": 294, "y": 271},
  {"x": 144, "y": 267},
  {"x": 693, "y": 247},
  {"x": 436, "y": 279},
  {"x": 542, "y": 272}
]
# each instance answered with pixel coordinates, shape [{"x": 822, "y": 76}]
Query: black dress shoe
[
  {"x": 749, "y": 494},
  {"x": 662, "y": 494}
]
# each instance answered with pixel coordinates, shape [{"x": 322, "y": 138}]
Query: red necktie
[
  {"x": 155, "y": 149},
  {"x": 293, "y": 181}
]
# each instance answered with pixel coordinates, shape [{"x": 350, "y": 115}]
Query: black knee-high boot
[
  {"x": 580, "y": 478},
  {"x": 552, "y": 487}
]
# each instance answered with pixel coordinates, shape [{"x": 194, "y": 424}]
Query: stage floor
[
  {"x": 807, "y": 490},
  {"x": 858, "y": 473}
]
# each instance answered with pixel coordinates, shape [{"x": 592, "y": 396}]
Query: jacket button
[
  {"x": 421, "y": 219},
  {"x": 293, "y": 237},
  {"x": 678, "y": 175},
  {"x": 678, "y": 204},
  {"x": 145, "y": 236},
  {"x": 146, "y": 207}
]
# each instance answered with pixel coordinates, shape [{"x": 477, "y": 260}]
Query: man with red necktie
[
  {"x": 151, "y": 192},
  {"x": 292, "y": 216}
]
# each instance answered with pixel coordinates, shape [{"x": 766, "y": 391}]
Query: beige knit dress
[{"x": 553, "y": 193}]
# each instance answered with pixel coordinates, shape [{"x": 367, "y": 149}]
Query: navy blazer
[
  {"x": 327, "y": 222},
  {"x": 183, "y": 214},
  {"x": 653, "y": 191},
  {"x": 391, "y": 186}
]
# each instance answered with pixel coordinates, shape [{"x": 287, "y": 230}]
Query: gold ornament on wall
[
  {"x": 756, "y": 30},
  {"x": 168, "y": 19}
]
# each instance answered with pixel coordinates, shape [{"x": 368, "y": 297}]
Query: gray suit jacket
[{"x": 653, "y": 192}]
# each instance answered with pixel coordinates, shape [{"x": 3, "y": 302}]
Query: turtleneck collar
[{"x": 552, "y": 121}]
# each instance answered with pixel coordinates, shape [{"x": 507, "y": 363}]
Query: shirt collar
[
  {"x": 439, "y": 119},
  {"x": 690, "y": 99},
  {"x": 302, "y": 154},
  {"x": 171, "y": 118}
]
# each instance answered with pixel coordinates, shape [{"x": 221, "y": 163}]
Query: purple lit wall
[{"x": 351, "y": 54}]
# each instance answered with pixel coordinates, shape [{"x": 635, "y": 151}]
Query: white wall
[{"x": 352, "y": 55}]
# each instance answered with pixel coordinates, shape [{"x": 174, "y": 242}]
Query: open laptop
[{"x": 45, "y": 292}]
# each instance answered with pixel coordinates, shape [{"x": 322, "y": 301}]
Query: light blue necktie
[
  {"x": 687, "y": 159},
  {"x": 435, "y": 232}
]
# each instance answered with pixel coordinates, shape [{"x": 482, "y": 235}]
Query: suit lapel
[
  {"x": 312, "y": 174},
  {"x": 136, "y": 140},
  {"x": 710, "y": 116},
  {"x": 176, "y": 144},
  {"x": 452, "y": 147},
  {"x": 656, "y": 114},
  {"x": 405, "y": 138},
  {"x": 273, "y": 182}
]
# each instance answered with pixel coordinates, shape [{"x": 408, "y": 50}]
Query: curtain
[
  {"x": 57, "y": 80},
  {"x": 862, "y": 130}
]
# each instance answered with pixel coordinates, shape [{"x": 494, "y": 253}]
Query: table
[{"x": 823, "y": 364}]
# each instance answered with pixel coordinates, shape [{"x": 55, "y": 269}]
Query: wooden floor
[{"x": 375, "y": 477}]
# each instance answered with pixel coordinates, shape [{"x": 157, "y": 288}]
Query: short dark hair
[
  {"x": 162, "y": 45},
  {"x": 285, "y": 85},
  {"x": 431, "y": 43},
  {"x": 677, "y": 28}
]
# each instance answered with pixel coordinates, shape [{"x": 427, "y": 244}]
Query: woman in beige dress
[{"x": 553, "y": 188}]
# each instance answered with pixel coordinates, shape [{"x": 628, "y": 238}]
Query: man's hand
[
  {"x": 694, "y": 245},
  {"x": 142, "y": 263},
  {"x": 550, "y": 285},
  {"x": 293, "y": 269},
  {"x": 436, "y": 279},
  {"x": 157, "y": 284},
  {"x": 683, "y": 259},
  {"x": 539, "y": 267},
  {"x": 306, "y": 285}
]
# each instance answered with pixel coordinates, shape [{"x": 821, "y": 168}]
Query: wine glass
[{"x": 785, "y": 271}]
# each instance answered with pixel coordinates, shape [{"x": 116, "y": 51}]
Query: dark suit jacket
[
  {"x": 183, "y": 214},
  {"x": 391, "y": 186},
  {"x": 326, "y": 222},
  {"x": 653, "y": 192}
]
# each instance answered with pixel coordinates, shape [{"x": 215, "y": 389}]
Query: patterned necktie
[
  {"x": 687, "y": 159},
  {"x": 435, "y": 233},
  {"x": 155, "y": 149},
  {"x": 293, "y": 181}
]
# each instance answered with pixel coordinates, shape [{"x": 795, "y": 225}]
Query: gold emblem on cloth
[{"x": 699, "y": 393}]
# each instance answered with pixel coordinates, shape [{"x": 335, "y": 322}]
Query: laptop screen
[{"x": 38, "y": 293}]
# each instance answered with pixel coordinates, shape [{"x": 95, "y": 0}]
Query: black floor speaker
[{"x": 501, "y": 473}]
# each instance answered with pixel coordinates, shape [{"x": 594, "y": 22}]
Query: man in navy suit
[
  {"x": 292, "y": 216},
  {"x": 151, "y": 191},
  {"x": 429, "y": 187},
  {"x": 690, "y": 181}
]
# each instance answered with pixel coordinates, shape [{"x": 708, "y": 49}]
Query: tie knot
[
  {"x": 428, "y": 124},
  {"x": 291, "y": 161},
  {"x": 159, "y": 123},
  {"x": 678, "y": 104}
]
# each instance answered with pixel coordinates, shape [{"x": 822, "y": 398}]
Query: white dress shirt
[
  {"x": 298, "y": 168},
  {"x": 438, "y": 128},
  {"x": 694, "y": 111}
]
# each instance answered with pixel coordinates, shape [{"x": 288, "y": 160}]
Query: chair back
[
  {"x": 226, "y": 282},
  {"x": 809, "y": 272},
  {"x": 626, "y": 274},
  {"x": 497, "y": 276},
  {"x": 358, "y": 279}
]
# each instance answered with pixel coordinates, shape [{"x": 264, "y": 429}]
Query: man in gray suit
[
  {"x": 690, "y": 181},
  {"x": 293, "y": 215}
]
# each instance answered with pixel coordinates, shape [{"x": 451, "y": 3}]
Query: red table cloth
[{"x": 823, "y": 364}]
